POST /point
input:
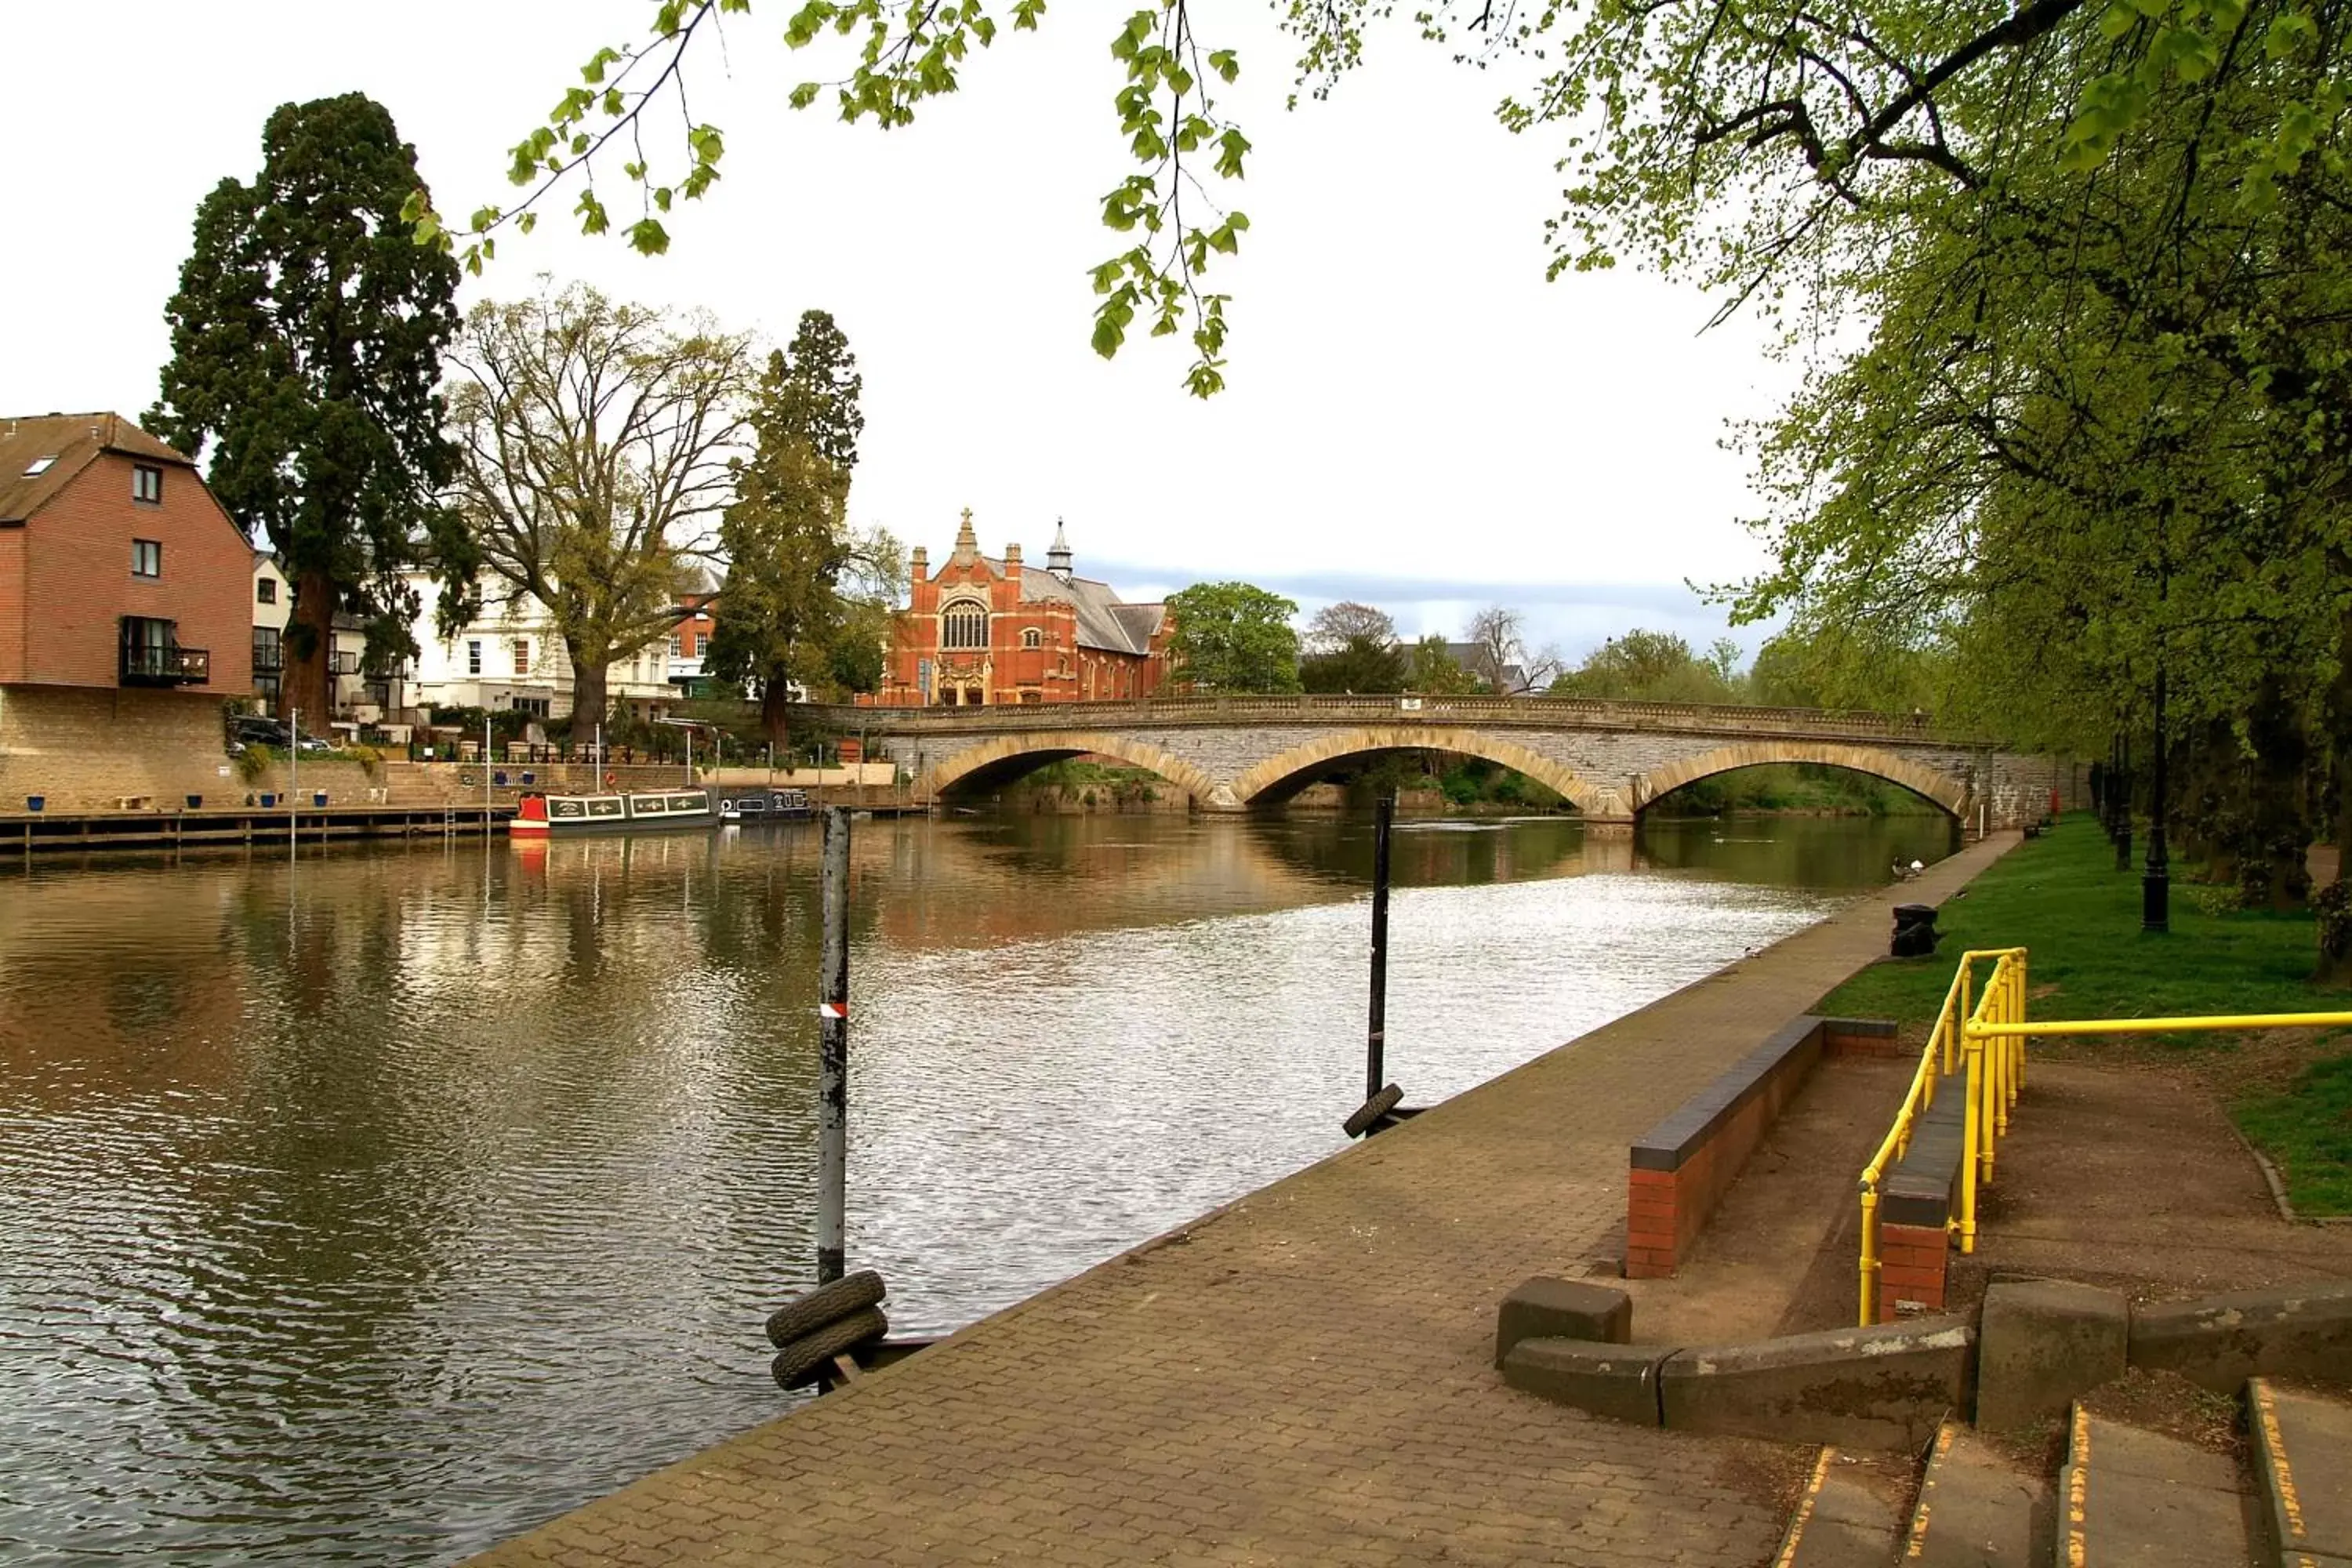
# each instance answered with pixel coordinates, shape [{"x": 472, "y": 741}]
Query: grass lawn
[{"x": 2061, "y": 896}]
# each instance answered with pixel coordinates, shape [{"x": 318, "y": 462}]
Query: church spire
[{"x": 1057, "y": 560}]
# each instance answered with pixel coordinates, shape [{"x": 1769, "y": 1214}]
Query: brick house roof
[{"x": 71, "y": 442}]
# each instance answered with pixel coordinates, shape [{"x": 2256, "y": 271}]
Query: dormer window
[{"x": 146, "y": 484}]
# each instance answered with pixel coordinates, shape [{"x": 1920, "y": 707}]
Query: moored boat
[
  {"x": 649, "y": 811},
  {"x": 765, "y": 805}
]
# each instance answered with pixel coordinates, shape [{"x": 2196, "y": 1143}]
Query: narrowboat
[{"x": 652, "y": 811}]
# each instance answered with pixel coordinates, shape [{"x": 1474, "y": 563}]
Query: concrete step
[
  {"x": 2303, "y": 1474},
  {"x": 1848, "y": 1518},
  {"x": 1976, "y": 1509},
  {"x": 2135, "y": 1499}
]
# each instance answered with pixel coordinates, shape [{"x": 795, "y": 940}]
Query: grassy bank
[{"x": 2061, "y": 895}]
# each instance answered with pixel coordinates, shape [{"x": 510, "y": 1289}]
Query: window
[
  {"x": 40, "y": 466},
  {"x": 265, "y": 590},
  {"x": 522, "y": 656},
  {"x": 146, "y": 558},
  {"x": 964, "y": 624},
  {"x": 268, "y": 654},
  {"x": 146, "y": 484},
  {"x": 947, "y": 696},
  {"x": 1032, "y": 637},
  {"x": 473, "y": 658}
]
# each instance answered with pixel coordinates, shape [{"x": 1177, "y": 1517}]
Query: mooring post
[
  {"x": 1376, "y": 1039},
  {"x": 832, "y": 1052}
]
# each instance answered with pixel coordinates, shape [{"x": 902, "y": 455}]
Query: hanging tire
[
  {"x": 1372, "y": 1111},
  {"x": 802, "y": 1362},
  {"x": 805, "y": 1315}
]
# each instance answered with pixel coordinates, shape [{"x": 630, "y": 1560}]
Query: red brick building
[
  {"x": 984, "y": 630},
  {"x": 125, "y": 592}
]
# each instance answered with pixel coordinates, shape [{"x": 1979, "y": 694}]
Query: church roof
[{"x": 1104, "y": 620}]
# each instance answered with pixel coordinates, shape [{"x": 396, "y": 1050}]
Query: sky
[{"x": 1415, "y": 417}]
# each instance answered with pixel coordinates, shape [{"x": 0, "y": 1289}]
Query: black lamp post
[
  {"x": 2123, "y": 787},
  {"x": 2156, "y": 882}
]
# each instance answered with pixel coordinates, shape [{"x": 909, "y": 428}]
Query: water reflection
[{"x": 374, "y": 1206}]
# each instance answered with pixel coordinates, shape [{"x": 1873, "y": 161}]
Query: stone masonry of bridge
[{"x": 1610, "y": 759}]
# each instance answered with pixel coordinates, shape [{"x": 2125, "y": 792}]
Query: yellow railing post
[
  {"x": 1971, "y": 1131},
  {"x": 1869, "y": 1253}
]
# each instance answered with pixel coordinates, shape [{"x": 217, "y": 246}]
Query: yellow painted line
[
  {"x": 1918, "y": 1538},
  {"x": 2077, "y": 1485},
  {"x": 2266, "y": 1411},
  {"x": 1804, "y": 1513}
]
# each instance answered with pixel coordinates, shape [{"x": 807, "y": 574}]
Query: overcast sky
[{"x": 1415, "y": 417}]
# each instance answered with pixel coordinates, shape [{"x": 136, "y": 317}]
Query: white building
[
  {"x": 512, "y": 658},
  {"x": 273, "y": 606}
]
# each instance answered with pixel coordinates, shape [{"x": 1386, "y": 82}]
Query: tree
[
  {"x": 595, "y": 443},
  {"x": 783, "y": 618},
  {"x": 1231, "y": 637},
  {"x": 1499, "y": 655},
  {"x": 1653, "y": 666},
  {"x": 1432, "y": 667},
  {"x": 306, "y": 335},
  {"x": 1352, "y": 648}
]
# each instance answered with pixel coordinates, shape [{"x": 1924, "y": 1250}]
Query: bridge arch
[
  {"x": 1041, "y": 747},
  {"x": 1275, "y": 771},
  {"x": 1932, "y": 784}
]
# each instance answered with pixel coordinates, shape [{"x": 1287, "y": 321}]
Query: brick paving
[{"x": 1304, "y": 1375}]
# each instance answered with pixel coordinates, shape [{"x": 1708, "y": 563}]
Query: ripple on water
[{"x": 373, "y": 1209}]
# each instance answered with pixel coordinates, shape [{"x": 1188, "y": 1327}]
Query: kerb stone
[
  {"x": 2041, "y": 1344},
  {"x": 1562, "y": 1310},
  {"x": 1620, "y": 1381},
  {"x": 1883, "y": 1387}
]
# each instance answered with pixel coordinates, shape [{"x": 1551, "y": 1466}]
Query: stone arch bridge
[{"x": 1611, "y": 760}]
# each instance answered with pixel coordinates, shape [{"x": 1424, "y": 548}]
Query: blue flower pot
[
  {"x": 268, "y": 800},
  {"x": 36, "y": 802},
  {"x": 318, "y": 797},
  {"x": 195, "y": 802}
]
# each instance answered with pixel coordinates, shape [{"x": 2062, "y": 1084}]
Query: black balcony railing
[{"x": 146, "y": 664}]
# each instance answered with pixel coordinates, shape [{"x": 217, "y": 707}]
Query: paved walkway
[{"x": 1303, "y": 1376}]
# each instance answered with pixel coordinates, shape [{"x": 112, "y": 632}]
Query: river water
[{"x": 374, "y": 1206}]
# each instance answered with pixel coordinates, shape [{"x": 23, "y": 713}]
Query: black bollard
[
  {"x": 1376, "y": 1039},
  {"x": 832, "y": 1052}
]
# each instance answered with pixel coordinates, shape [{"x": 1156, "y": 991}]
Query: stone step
[
  {"x": 1846, "y": 1518},
  {"x": 2135, "y": 1499},
  {"x": 2303, "y": 1474},
  {"x": 1976, "y": 1509}
]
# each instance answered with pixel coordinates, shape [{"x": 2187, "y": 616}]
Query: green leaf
[{"x": 647, "y": 237}]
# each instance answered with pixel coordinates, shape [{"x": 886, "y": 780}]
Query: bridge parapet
[{"x": 1538, "y": 712}]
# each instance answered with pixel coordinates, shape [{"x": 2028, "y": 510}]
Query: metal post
[
  {"x": 832, "y": 1053},
  {"x": 294, "y": 779},
  {"x": 689, "y": 759},
  {"x": 486, "y": 776},
  {"x": 1376, "y": 1038},
  {"x": 2156, "y": 882},
  {"x": 2124, "y": 806}
]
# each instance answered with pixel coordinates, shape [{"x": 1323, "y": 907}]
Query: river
[{"x": 374, "y": 1206}]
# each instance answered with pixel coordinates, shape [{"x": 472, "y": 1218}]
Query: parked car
[{"x": 254, "y": 730}]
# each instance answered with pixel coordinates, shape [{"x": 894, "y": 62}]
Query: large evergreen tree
[
  {"x": 306, "y": 353},
  {"x": 797, "y": 608}
]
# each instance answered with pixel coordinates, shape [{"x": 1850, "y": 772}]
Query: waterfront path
[{"x": 1304, "y": 1375}]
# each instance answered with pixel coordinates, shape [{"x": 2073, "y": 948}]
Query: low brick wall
[
  {"x": 1683, "y": 1167},
  {"x": 1915, "y": 1210},
  {"x": 91, "y": 748}
]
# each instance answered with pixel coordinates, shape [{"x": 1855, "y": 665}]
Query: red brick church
[{"x": 984, "y": 631}]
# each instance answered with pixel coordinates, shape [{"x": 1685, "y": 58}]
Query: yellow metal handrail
[
  {"x": 1984, "y": 1043},
  {"x": 1988, "y": 1042}
]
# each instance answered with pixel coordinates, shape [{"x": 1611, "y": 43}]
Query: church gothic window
[
  {"x": 1032, "y": 637},
  {"x": 964, "y": 624}
]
